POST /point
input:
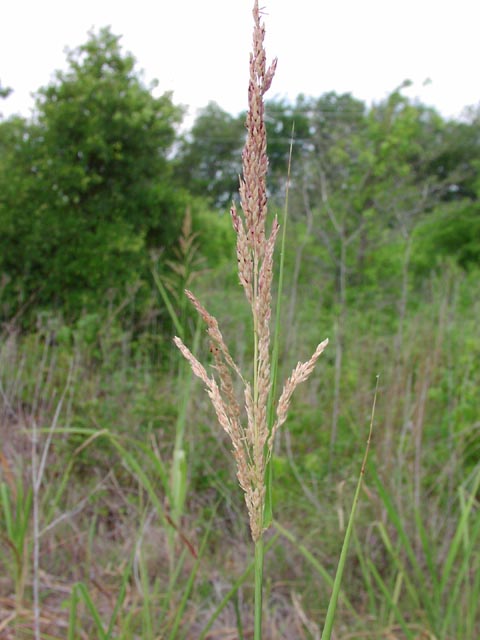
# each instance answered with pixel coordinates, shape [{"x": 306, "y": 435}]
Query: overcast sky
[{"x": 199, "y": 48}]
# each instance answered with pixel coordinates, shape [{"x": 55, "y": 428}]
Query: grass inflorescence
[{"x": 252, "y": 437}]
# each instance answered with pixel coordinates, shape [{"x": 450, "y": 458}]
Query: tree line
[{"x": 101, "y": 176}]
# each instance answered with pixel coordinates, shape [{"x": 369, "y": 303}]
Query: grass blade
[
  {"x": 459, "y": 534},
  {"x": 268, "y": 510},
  {"x": 392, "y": 603},
  {"x": 314, "y": 563},
  {"x": 367, "y": 579},
  {"x": 166, "y": 299},
  {"x": 332, "y": 605},
  {"x": 191, "y": 579},
  {"x": 85, "y": 596},
  {"x": 120, "y": 598},
  {"x": 72, "y": 618},
  {"x": 236, "y": 585}
]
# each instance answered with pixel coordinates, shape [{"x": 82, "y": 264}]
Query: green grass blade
[
  {"x": 393, "y": 605},
  {"x": 137, "y": 469},
  {"x": 72, "y": 616},
  {"x": 158, "y": 467},
  {"x": 422, "y": 589},
  {"x": 310, "y": 558},
  {"x": 166, "y": 299},
  {"x": 367, "y": 578},
  {"x": 332, "y": 605},
  {"x": 399, "y": 565},
  {"x": 173, "y": 578},
  {"x": 268, "y": 510},
  {"x": 460, "y": 590},
  {"x": 24, "y": 510},
  {"x": 473, "y": 608},
  {"x": 184, "y": 382},
  {"x": 189, "y": 586},
  {"x": 178, "y": 472},
  {"x": 459, "y": 534},
  {"x": 7, "y": 510},
  {"x": 147, "y": 607},
  {"x": 397, "y": 589},
  {"x": 236, "y": 585},
  {"x": 258, "y": 582},
  {"x": 85, "y": 596},
  {"x": 120, "y": 598},
  {"x": 238, "y": 616},
  {"x": 179, "y": 484},
  {"x": 428, "y": 549}
]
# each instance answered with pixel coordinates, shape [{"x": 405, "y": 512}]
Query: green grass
[{"x": 107, "y": 488}]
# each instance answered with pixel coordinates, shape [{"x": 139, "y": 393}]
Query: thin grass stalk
[
  {"x": 236, "y": 585},
  {"x": 310, "y": 558},
  {"x": 403, "y": 542},
  {"x": 38, "y": 469},
  {"x": 168, "y": 598},
  {"x": 179, "y": 327},
  {"x": 253, "y": 438},
  {"x": 474, "y": 601},
  {"x": 72, "y": 615},
  {"x": 178, "y": 471},
  {"x": 259, "y": 562},
  {"x": 36, "y": 535},
  {"x": 238, "y": 616},
  {"x": 409, "y": 634},
  {"x": 83, "y": 594},
  {"x": 332, "y": 605},
  {"x": 178, "y": 465},
  {"x": 268, "y": 511},
  {"x": 190, "y": 582}
]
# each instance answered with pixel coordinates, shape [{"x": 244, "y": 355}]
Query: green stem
[
  {"x": 268, "y": 510},
  {"x": 259, "y": 553}
]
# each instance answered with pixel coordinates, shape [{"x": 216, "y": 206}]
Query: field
[
  {"x": 136, "y": 521},
  {"x": 124, "y": 514}
]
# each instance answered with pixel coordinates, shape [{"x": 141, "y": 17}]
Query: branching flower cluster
[{"x": 252, "y": 440}]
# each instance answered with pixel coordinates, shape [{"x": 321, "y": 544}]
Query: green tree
[
  {"x": 453, "y": 228},
  {"x": 367, "y": 177},
  {"x": 93, "y": 182},
  {"x": 4, "y": 93},
  {"x": 208, "y": 159},
  {"x": 282, "y": 119}
]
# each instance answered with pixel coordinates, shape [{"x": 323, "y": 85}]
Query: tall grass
[
  {"x": 251, "y": 436},
  {"x": 106, "y": 491}
]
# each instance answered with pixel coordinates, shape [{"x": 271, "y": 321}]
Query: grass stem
[{"x": 259, "y": 556}]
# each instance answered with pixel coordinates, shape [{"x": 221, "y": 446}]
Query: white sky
[{"x": 199, "y": 48}]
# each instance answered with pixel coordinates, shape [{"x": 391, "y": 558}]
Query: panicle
[{"x": 252, "y": 440}]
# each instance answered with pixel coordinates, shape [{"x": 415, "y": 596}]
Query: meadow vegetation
[{"x": 120, "y": 511}]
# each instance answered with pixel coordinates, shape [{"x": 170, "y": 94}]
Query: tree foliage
[
  {"x": 100, "y": 176},
  {"x": 209, "y": 157},
  {"x": 86, "y": 189}
]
